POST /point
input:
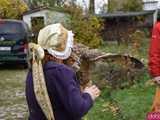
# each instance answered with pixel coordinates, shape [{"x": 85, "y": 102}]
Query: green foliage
[
  {"x": 112, "y": 6},
  {"x": 124, "y": 5},
  {"x": 119, "y": 72},
  {"x": 39, "y": 3},
  {"x": 132, "y": 5},
  {"x": 91, "y": 6},
  {"x": 135, "y": 102},
  {"x": 85, "y": 27},
  {"x": 48, "y": 3},
  {"x": 124, "y": 104},
  {"x": 115, "y": 74},
  {"x": 131, "y": 103},
  {"x": 140, "y": 43},
  {"x": 137, "y": 39},
  {"x": 12, "y": 9}
]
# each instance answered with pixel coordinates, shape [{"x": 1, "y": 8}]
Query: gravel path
[{"x": 12, "y": 95}]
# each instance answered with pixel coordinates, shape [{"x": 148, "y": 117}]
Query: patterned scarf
[{"x": 40, "y": 87}]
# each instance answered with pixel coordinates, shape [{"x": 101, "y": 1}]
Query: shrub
[
  {"x": 132, "y": 5},
  {"x": 137, "y": 39},
  {"x": 86, "y": 27}
]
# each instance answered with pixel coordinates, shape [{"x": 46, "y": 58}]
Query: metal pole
[{"x": 155, "y": 15}]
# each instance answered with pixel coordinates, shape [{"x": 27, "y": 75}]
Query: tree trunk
[
  {"x": 109, "y": 5},
  {"x": 92, "y": 6}
]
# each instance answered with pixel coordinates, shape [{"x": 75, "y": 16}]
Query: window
[{"x": 11, "y": 28}]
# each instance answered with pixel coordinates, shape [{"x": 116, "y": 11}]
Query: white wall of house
[
  {"x": 50, "y": 17},
  {"x": 151, "y": 4},
  {"x": 27, "y": 17},
  {"x": 158, "y": 4}
]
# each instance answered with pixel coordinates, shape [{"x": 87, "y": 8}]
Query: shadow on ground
[{"x": 12, "y": 66}]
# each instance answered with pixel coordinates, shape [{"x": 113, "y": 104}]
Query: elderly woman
[{"x": 52, "y": 90}]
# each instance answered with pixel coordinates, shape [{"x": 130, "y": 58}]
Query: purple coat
[{"x": 67, "y": 101}]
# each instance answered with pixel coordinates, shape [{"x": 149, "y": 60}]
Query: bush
[
  {"x": 132, "y": 5},
  {"x": 86, "y": 27},
  {"x": 137, "y": 38},
  {"x": 116, "y": 73}
]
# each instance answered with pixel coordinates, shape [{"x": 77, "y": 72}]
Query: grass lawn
[
  {"x": 131, "y": 103},
  {"x": 124, "y": 104}
]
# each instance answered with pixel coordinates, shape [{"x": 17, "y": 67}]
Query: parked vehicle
[{"x": 14, "y": 38}]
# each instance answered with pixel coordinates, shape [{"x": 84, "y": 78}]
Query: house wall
[
  {"x": 27, "y": 18},
  {"x": 49, "y": 17},
  {"x": 150, "y": 4}
]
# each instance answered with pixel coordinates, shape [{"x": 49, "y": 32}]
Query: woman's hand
[{"x": 93, "y": 91}]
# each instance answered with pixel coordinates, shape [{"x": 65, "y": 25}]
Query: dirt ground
[{"x": 12, "y": 92}]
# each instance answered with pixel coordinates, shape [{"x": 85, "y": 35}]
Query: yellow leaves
[{"x": 12, "y": 9}]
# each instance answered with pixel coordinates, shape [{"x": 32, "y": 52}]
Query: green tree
[
  {"x": 49, "y": 3},
  {"x": 85, "y": 27},
  {"x": 132, "y": 5},
  {"x": 91, "y": 6},
  {"x": 112, "y": 5},
  {"x": 12, "y": 8},
  {"x": 37, "y": 3}
]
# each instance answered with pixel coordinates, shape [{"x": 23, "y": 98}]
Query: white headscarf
[{"x": 49, "y": 39}]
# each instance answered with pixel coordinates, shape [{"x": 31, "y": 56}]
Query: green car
[{"x": 14, "y": 38}]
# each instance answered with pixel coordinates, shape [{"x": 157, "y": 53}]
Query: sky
[{"x": 99, "y": 4}]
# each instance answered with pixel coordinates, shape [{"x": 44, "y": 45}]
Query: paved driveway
[{"x": 12, "y": 95}]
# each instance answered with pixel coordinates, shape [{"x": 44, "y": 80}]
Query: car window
[{"x": 11, "y": 28}]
